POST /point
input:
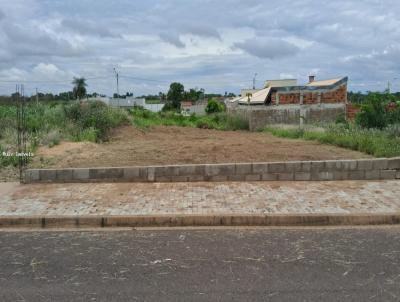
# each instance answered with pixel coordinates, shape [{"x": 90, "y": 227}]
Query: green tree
[
  {"x": 79, "y": 87},
  {"x": 175, "y": 95}
]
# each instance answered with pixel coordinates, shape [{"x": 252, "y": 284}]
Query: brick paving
[{"x": 200, "y": 198}]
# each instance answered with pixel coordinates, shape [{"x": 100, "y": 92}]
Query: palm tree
[{"x": 79, "y": 87}]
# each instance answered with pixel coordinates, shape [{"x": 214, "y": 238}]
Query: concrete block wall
[
  {"x": 365, "y": 169},
  {"x": 262, "y": 116}
]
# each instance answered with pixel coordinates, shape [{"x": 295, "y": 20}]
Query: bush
[
  {"x": 220, "y": 121},
  {"x": 214, "y": 106},
  {"x": 96, "y": 115},
  {"x": 372, "y": 113},
  {"x": 378, "y": 111},
  {"x": 51, "y": 139}
]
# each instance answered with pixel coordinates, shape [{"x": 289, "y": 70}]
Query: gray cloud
[
  {"x": 172, "y": 39},
  {"x": 2, "y": 15},
  {"x": 88, "y": 28},
  {"x": 30, "y": 41},
  {"x": 202, "y": 31},
  {"x": 270, "y": 48},
  {"x": 232, "y": 37}
]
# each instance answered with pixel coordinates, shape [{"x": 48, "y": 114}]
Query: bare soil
[{"x": 163, "y": 145}]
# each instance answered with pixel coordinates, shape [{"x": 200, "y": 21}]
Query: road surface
[{"x": 259, "y": 264}]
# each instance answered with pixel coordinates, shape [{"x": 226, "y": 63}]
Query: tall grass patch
[
  {"x": 221, "y": 121},
  {"x": 377, "y": 142}
]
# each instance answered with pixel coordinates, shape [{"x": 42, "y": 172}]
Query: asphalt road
[{"x": 354, "y": 264}]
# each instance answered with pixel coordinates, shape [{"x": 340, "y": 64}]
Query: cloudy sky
[{"x": 216, "y": 45}]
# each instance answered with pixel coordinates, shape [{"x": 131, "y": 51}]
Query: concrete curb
[{"x": 198, "y": 220}]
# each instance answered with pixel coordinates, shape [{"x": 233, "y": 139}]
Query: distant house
[
  {"x": 127, "y": 103},
  {"x": 286, "y": 102},
  {"x": 198, "y": 108}
]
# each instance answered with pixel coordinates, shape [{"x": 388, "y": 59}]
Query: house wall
[{"x": 262, "y": 116}]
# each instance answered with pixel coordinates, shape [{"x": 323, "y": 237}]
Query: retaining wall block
[
  {"x": 372, "y": 174},
  {"x": 260, "y": 168},
  {"x": 325, "y": 175},
  {"x": 332, "y": 165},
  {"x": 166, "y": 171},
  {"x": 380, "y": 164},
  {"x": 179, "y": 178},
  {"x": 245, "y": 168},
  {"x": 276, "y": 167},
  {"x": 340, "y": 175},
  {"x": 302, "y": 176},
  {"x": 269, "y": 176},
  {"x": 317, "y": 166},
  {"x": 306, "y": 166},
  {"x": 253, "y": 177},
  {"x": 63, "y": 175},
  {"x": 151, "y": 175},
  {"x": 357, "y": 175},
  {"x": 131, "y": 173},
  {"x": 106, "y": 173},
  {"x": 364, "y": 164},
  {"x": 80, "y": 174},
  {"x": 394, "y": 163},
  {"x": 295, "y": 166},
  {"x": 285, "y": 176},
  {"x": 47, "y": 175},
  {"x": 189, "y": 170},
  {"x": 398, "y": 174},
  {"x": 237, "y": 177},
  {"x": 31, "y": 176},
  {"x": 219, "y": 169},
  {"x": 163, "y": 178},
  {"x": 349, "y": 165},
  {"x": 388, "y": 174},
  {"x": 195, "y": 178},
  {"x": 218, "y": 178}
]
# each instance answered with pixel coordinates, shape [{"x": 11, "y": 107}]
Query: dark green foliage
[
  {"x": 214, "y": 106},
  {"x": 79, "y": 87},
  {"x": 95, "y": 115},
  {"x": 378, "y": 111},
  {"x": 175, "y": 95},
  {"x": 341, "y": 119},
  {"x": 221, "y": 121}
]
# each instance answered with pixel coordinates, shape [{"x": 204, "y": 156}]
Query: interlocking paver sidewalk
[{"x": 340, "y": 197}]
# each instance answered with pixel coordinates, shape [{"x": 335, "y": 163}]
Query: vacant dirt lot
[{"x": 176, "y": 145}]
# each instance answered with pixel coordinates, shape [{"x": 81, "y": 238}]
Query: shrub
[
  {"x": 51, "y": 139},
  {"x": 214, "y": 106},
  {"x": 378, "y": 111},
  {"x": 96, "y": 115},
  {"x": 88, "y": 134},
  {"x": 372, "y": 113}
]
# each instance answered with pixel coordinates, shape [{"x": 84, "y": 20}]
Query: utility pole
[
  {"x": 254, "y": 80},
  {"x": 37, "y": 98},
  {"x": 388, "y": 87},
  {"x": 116, "y": 75}
]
